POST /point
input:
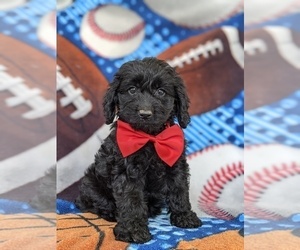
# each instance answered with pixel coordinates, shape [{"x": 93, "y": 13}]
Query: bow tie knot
[{"x": 169, "y": 144}]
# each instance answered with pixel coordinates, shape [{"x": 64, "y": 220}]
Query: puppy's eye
[
  {"x": 132, "y": 90},
  {"x": 160, "y": 92}
]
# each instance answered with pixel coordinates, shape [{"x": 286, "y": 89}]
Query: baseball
[
  {"x": 272, "y": 176},
  {"x": 261, "y": 11},
  {"x": 112, "y": 31},
  {"x": 46, "y": 31},
  {"x": 195, "y": 13},
  {"x": 216, "y": 184}
]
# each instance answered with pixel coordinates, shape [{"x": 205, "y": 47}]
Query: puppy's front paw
[
  {"x": 138, "y": 234},
  {"x": 185, "y": 220}
]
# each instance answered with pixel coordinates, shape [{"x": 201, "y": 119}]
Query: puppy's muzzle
[{"x": 145, "y": 114}]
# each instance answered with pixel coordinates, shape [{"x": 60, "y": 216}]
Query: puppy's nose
[{"x": 145, "y": 113}]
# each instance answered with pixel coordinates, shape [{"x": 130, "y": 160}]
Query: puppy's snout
[{"x": 145, "y": 113}]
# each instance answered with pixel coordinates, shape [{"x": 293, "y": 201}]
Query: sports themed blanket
[{"x": 54, "y": 69}]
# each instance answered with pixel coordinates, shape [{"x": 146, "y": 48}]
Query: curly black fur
[{"x": 129, "y": 190}]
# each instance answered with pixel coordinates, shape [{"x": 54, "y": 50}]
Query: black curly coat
[{"x": 147, "y": 94}]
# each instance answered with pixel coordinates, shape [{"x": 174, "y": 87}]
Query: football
[
  {"x": 28, "y": 119},
  {"x": 272, "y": 68},
  {"x": 211, "y": 65},
  {"x": 80, "y": 121}
]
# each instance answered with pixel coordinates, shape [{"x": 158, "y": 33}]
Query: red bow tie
[{"x": 169, "y": 144}]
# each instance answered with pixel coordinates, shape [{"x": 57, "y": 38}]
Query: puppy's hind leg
[
  {"x": 95, "y": 197},
  {"x": 85, "y": 204}
]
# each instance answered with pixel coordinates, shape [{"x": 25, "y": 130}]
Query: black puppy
[{"x": 141, "y": 166}]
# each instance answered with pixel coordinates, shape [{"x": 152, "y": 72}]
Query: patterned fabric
[
  {"x": 222, "y": 125},
  {"x": 272, "y": 132},
  {"x": 96, "y": 231},
  {"x": 276, "y": 122},
  {"x": 22, "y": 23}
]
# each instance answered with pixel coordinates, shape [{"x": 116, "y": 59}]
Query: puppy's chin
[{"x": 150, "y": 126}]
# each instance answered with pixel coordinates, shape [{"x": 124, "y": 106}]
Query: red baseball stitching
[
  {"x": 256, "y": 185},
  {"x": 214, "y": 187},
  {"x": 112, "y": 36}
]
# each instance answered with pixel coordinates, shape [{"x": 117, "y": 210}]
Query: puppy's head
[{"x": 146, "y": 94}]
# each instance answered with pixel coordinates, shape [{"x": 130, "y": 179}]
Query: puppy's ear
[
  {"x": 110, "y": 101},
  {"x": 181, "y": 104}
]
